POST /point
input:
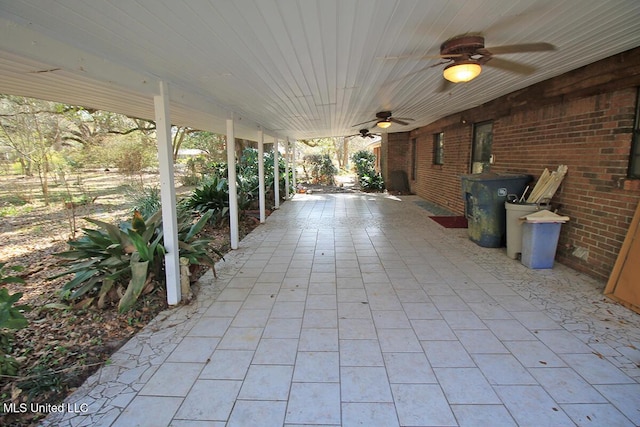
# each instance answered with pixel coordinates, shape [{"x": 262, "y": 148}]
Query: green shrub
[
  {"x": 11, "y": 318},
  {"x": 319, "y": 168},
  {"x": 213, "y": 190},
  {"x": 248, "y": 171},
  {"x": 146, "y": 200},
  {"x": 364, "y": 163},
  {"x": 195, "y": 249},
  {"x": 211, "y": 196},
  {"x": 130, "y": 256},
  {"x": 109, "y": 255},
  {"x": 40, "y": 379}
]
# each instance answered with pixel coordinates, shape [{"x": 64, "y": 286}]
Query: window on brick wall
[
  {"x": 634, "y": 160},
  {"x": 438, "y": 148},
  {"x": 481, "y": 149},
  {"x": 414, "y": 160}
]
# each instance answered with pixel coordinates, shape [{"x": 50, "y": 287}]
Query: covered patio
[
  {"x": 357, "y": 309},
  {"x": 349, "y": 309}
]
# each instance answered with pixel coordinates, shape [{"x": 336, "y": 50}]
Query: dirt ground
[{"x": 63, "y": 345}]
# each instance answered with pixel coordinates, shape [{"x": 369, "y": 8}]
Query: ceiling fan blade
[
  {"x": 415, "y": 72},
  {"x": 517, "y": 48},
  {"x": 406, "y": 119},
  {"x": 364, "y": 123},
  {"x": 394, "y": 57},
  {"x": 512, "y": 66},
  {"x": 443, "y": 56},
  {"x": 398, "y": 121},
  {"x": 387, "y": 58},
  {"x": 445, "y": 85}
]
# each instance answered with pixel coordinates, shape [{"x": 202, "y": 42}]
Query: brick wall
[
  {"x": 565, "y": 120},
  {"x": 441, "y": 183},
  {"x": 396, "y": 147}
]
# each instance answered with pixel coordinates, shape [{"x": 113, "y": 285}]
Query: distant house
[{"x": 185, "y": 153}]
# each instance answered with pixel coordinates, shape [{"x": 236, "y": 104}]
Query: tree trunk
[
  {"x": 177, "y": 141},
  {"x": 345, "y": 154},
  {"x": 44, "y": 185}
]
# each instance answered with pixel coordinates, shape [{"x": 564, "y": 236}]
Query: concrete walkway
[{"x": 356, "y": 309}]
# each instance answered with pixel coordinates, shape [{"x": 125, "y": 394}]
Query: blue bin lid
[{"x": 493, "y": 176}]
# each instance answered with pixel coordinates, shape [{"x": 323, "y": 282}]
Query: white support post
[
  {"x": 261, "y": 189},
  {"x": 293, "y": 165},
  {"x": 233, "y": 190},
  {"x": 276, "y": 173},
  {"x": 168, "y": 195},
  {"x": 286, "y": 169}
]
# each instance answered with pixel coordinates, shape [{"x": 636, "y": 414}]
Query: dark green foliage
[
  {"x": 40, "y": 379},
  {"x": 195, "y": 249},
  {"x": 104, "y": 256},
  {"x": 319, "y": 168},
  {"x": 213, "y": 193},
  {"x": 364, "y": 163},
  {"x": 129, "y": 255},
  {"x": 6, "y": 278},
  {"x": 11, "y": 318},
  {"x": 211, "y": 196},
  {"x": 248, "y": 174}
]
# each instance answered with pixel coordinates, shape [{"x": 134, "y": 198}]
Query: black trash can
[{"x": 484, "y": 196}]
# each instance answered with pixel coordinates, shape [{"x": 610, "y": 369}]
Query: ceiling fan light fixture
[
  {"x": 462, "y": 71},
  {"x": 383, "y": 124}
]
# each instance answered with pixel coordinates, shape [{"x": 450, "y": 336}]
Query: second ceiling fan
[
  {"x": 385, "y": 118},
  {"x": 363, "y": 133}
]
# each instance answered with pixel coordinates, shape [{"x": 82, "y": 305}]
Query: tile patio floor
[{"x": 354, "y": 309}]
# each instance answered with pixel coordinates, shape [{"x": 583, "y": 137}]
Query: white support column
[
  {"x": 233, "y": 190},
  {"x": 286, "y": 169},
  {"x": 294, "y": 165},
  {"x": 261, "y": 189},
  {"x": 276, "y": 173},
  {"x": 168, "y": 195}
]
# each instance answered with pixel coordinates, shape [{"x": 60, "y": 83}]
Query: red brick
[{"x": 592, "y": 135}]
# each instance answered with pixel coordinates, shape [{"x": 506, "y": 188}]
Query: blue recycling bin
[
  {"x": 540, "y": 235},
  {"x": 539, "y": 244},
  {"x": 484, "y": 197}
]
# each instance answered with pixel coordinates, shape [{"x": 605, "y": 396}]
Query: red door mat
[{"x": 450, "y": 221}]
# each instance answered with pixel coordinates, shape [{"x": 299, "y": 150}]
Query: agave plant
[
  {"x": 212, "y": 195},
  {"x": 132, "y": 254},
  {"x": 112, "y": 254},
  {"x": 192, "y": 247}
]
